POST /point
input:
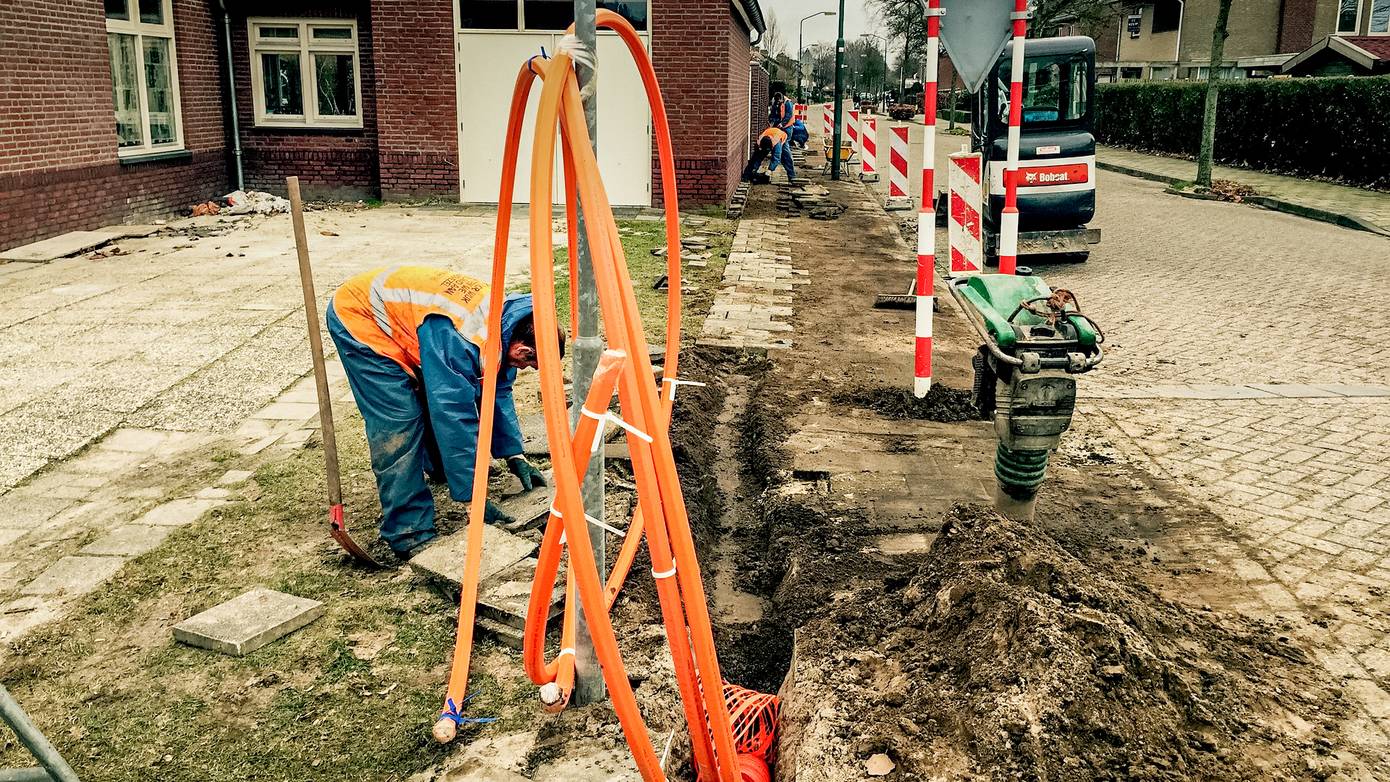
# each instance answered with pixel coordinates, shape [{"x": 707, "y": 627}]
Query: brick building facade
[{"x": 374, "y": 114}]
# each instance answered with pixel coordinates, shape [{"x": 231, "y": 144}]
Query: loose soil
[{"x": 1094, "y": 643}]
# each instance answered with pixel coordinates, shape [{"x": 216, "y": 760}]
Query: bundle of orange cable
[{"x": 660, "y": 518}]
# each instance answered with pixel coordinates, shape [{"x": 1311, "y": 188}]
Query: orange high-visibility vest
[
  {"x": 384, "y": 308},
  {"x": 777, "y": 135}
]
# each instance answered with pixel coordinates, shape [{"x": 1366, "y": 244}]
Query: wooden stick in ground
[{"x": 330, "y": 443}]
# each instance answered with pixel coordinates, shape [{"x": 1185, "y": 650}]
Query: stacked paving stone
[{"x": 749, "y": 311}]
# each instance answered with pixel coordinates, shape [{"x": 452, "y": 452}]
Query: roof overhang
[
  {"x": 1338, "y": 45},
  {"x": 752, "y": 15}
]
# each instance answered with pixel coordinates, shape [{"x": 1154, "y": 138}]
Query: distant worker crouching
[{"x": 772, "y": 144}]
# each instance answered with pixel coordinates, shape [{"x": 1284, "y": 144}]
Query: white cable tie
[
  {"x": 556, "y": 512},
  {"x": 612, "y": 529},
  {"x": 677, "y": 383},
  {"x": 568, "y": 650},
  {"x": 666, "y": 753},
  {"x": 666, "y": 574},
  {"x": 629, "y": 427},
  {"x": 575, "y": 48}
]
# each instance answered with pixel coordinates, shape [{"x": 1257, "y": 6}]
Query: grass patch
[
  {"x": 351, "y": 697},
  {"x": 639, "y": 238}
]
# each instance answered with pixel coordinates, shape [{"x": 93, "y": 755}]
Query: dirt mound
[
  {"x": 1005, "y": 657},
  {"x": 942, "y": 403}
]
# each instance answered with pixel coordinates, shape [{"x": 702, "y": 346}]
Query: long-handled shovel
[{"x": 337, "y": 527}]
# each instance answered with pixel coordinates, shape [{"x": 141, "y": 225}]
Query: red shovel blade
[{"x": 338, "y": 530}]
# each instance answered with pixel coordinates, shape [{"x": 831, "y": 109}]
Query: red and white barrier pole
[
  {"x": 828, "y": 119},
  {"x": 926, "y": 217},
  {"x": 963, "y": 230},
  {"x": 852, "y": 131},
  {"x": 899, "y": 197},
  {"x": 868, "y": 171},
  {"x": 799, "y": 111},
  {"x": 1008, "y": 219}
]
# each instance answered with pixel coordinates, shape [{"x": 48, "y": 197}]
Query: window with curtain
[
  {"x": 1380, "y": 17},
  {"x": 144, "y": 76},
  {"x": 1348, "y": 15},
  {"x": 304, "y": 73}
]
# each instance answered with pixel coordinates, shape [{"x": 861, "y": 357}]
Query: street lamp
[
  {"x": 800, "y": 36},
  {"x": 883, "y": 82}
]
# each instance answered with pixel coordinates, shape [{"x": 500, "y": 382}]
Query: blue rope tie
[{"x": 452, "y": 712}]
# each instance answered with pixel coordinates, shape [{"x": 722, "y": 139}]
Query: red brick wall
[
  {"x": 417, "y": 122},
  {"x": 58, "y": 166},
  {"x": 330, "y": 163},
  {"x": 706, "y": 94},
  {"x": 1296, "y": 25}
]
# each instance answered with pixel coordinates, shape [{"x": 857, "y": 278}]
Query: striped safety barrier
[
  {"x": 851, "y": 132},
  {"x": 828, "y": 119},
  {"x": 963, "y": 229},
  {"x": 799, "y": 110},
  {"x": 899, "y": 196},
  {"x": 868, "y": 170},
  {"x": 926, "y": 218}
]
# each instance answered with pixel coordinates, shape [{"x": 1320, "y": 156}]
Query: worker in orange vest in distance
[
  {"x": 411, "y": 340},
  {"x": 772, "y": 143}
]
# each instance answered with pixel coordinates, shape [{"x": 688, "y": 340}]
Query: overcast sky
[{"x": 789, "y": 12}]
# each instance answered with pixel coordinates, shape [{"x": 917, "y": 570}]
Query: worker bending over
[
  {"x": 411, "y": 339},
  {"x": 772, "y": 143},
  {"x": 782, "y": 112}
]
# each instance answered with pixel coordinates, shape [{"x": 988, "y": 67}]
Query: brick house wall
[
  {"x": 330, "y": 162},
  {"x": 59, "y": 170},
  {"x": 417, "y": 119},
  {"x": 1296, "y": 19},
  {"x": 706, "y": 90}
]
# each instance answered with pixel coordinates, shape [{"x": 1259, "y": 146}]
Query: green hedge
[{"x": 1334, "y": 128}]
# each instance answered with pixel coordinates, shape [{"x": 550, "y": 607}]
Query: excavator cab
[{"x": 1057, "y": 145}]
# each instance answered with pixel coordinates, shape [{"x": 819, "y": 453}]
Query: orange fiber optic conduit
[{"x": 661, "y": 516}]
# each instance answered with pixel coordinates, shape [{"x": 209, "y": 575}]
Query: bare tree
[
  {"x": 1218, "y": 48},
  {"x": 773, "y": 41}
]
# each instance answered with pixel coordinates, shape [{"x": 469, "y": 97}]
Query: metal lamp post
[
  {"x": 800, "y": 37},
  {"x": 839, "y": 96}
]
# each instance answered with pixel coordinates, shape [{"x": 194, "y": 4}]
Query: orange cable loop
[{"x": 660, "y": 517}]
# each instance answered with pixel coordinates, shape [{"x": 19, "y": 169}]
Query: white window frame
[
  {"x": 1370, "y": 20},
  {"x": 133, "y": 26},
  {"x": 306, "y": 48},
  {"x": 1355, "y": 26}
]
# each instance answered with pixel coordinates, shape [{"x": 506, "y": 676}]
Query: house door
[{"x": 488, "y": 64}]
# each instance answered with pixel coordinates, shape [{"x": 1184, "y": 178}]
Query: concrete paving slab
[
  {"x": 19, "y": 616},
  {"x": 72, "y": 576},
  {"x": 503, "y": 597},
  {"x": 528, "y": 506},
  {"x": 1354, "y": 390},
  {"x": 248, "y": 622},
  {"x": 1294, "y": 390},
  {"x": 178, "y": 513},
  {"x": 131, "y": 540},
  {"x": 56, "y": 247},
  {"x": 233, "y": 477},
  {"x": 21, "y": 510},
  {"x": 135, "y": 440},
  {"x": 444, "y": 560}
]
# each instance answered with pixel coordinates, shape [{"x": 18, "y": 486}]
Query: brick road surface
[{"x": 1204, "y": 299}]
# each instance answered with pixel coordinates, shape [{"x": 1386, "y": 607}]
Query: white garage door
[{"x": 489, "y": 62}]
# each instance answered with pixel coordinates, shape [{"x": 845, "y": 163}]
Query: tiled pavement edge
[
  {"x": 85, "y": 495},
  {"x": 1367, "y": 209},
  {"x": 748, "y": 310}
]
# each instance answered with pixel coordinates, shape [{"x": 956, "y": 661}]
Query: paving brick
[
  {"x": 248, "y": 622},
  {"x": 130, "y": 540},
  {"x": 76, "y": 575},
  {"x": 178, "y": 513}
]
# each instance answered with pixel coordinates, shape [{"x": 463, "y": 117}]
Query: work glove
[
  {"x": 526, "y": 472},
  {"x": 494, "y": 515}
]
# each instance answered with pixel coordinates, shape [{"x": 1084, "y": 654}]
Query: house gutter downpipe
[{"x": 231, "y": 93}]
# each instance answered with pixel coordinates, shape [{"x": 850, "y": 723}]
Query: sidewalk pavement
[{"x": 1353, "y": 207}]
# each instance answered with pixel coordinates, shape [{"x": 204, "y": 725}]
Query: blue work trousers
[{"x": 398, "y": 435}]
